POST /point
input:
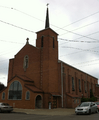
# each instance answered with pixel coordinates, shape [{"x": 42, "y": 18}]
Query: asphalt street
[{"x": 22, "y": 116}]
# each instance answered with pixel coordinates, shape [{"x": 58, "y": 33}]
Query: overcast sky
[{"x": 76, "y": 22}]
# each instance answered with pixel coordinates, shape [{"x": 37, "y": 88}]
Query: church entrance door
[
  {"x": 38, "y": 102},
  {"x": 54, "y": 102}
]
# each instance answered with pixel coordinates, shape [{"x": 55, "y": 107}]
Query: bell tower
[{"x": 48, "y": 44}]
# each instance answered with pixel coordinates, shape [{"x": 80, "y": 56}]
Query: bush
[
  {"x": 84, "y": 99},
  {"x": 93, "y": 99}
]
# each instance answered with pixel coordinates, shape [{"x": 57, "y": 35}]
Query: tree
[
  {"x": 91, "y": 93},
  {"x": 91, "y": 99},
  {"x": 1, "y": 86}
]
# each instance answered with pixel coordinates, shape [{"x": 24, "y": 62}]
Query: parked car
[
  {"x": 86, "y": 108},
  {"x": 97, "y": 104},
  {"x": 5, "y": 107}
]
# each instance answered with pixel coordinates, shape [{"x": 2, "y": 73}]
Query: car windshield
[
  {"x": 5, "y": 104},
  {"x": 84, "y": 104},
  {"x": 97, "y": 103}
]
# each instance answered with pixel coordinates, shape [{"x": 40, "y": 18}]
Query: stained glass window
[{"x": 15, "y": 91}]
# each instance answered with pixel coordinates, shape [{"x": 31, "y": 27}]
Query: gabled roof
[
  {"x": 23, "y": 78},
  {"x": 33, "y": 88},
  {"x": 27, "y": 46},
  {"x": 47, "y": 29}
]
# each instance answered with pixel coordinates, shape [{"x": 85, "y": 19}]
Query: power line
[
  {"x": 78, "y": 41},
  {"x": 82, "y": 37},
  {"x": 81, "y": 27},
  {"x": 86, "y": 62},
  {"x": 61, "y": 28},
  {"x": 41, "y": 20},
  {"x": 27, "y": 14},
  {"x": 80, "y": 19},
  {"x": 11, "y": 42},
  {"x": 61, "y": 39},
  {"x": 88, "y": 35},
  {"x": 79, "y": 49},
  {"x": 16, "y": 26},
  {"x": 88, "y": 65}
]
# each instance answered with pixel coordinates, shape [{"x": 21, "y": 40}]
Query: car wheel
[
  {"x": 97, "y": 111},
  {"x": 9, "y": 111},
  {"x": 76, "y": 113},
  {"x": 89, "y": 111},
  {"x": 0, "y": 111}
]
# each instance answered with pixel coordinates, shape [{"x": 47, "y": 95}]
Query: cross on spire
[{"x": 27, "y": 42}]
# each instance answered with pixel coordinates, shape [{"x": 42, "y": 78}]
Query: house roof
[{"x": 33, "y": 88}]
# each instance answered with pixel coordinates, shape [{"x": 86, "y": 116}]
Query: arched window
[
  {"x": 27, "y": 95},
  {"x": 42, "y": 41},
  {"x": 26, "y": 61},
  {"x": 15, "y": 91},
  {"x": 3, "y": 96}
]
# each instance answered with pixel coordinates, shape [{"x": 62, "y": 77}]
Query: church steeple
[{"x": 47, "y": 18}]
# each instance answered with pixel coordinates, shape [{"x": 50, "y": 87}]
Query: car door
[
  {"x": 94, "y": 105},
  {"x": 91, "y": 107}
]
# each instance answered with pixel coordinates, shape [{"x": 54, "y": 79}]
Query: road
[{"x": 22, "y": 116}]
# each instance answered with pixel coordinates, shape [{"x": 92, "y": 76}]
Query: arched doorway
[{"x": 38, "y": 102}]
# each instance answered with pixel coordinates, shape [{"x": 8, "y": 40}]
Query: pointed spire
[{"x": 47, "y": 18}]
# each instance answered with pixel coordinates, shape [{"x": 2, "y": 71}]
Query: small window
[
  {"x": 77, "y": 100},
  {"x": 3, "y": 96},
  {"x": 93, "y": 88},
  {"x": 85, "y": 86},
  {"x": 42, "y": 38},
  {"x": 79, "y": 85},
  {"x": 53, "y": 42},
  {"x": 89, "y": 86},
  {"x": 73, "y": 88},
  {"x": 27, "y": 95}
]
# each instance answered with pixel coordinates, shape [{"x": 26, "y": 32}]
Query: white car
[
  {"x": 86, "y": 108},
  {"x": 5, "y": 107}
]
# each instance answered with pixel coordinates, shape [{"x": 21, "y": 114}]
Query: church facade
[{"x": 37, "y": 79}]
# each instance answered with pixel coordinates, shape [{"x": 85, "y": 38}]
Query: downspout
[
  {"x": 87, "y": 85},
  {"x": 62, "y": 82}
]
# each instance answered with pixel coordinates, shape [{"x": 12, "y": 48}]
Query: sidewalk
[{"x": 58, "y": 111}]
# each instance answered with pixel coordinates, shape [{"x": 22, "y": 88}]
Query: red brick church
[{"x": 36, "y": 78}]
